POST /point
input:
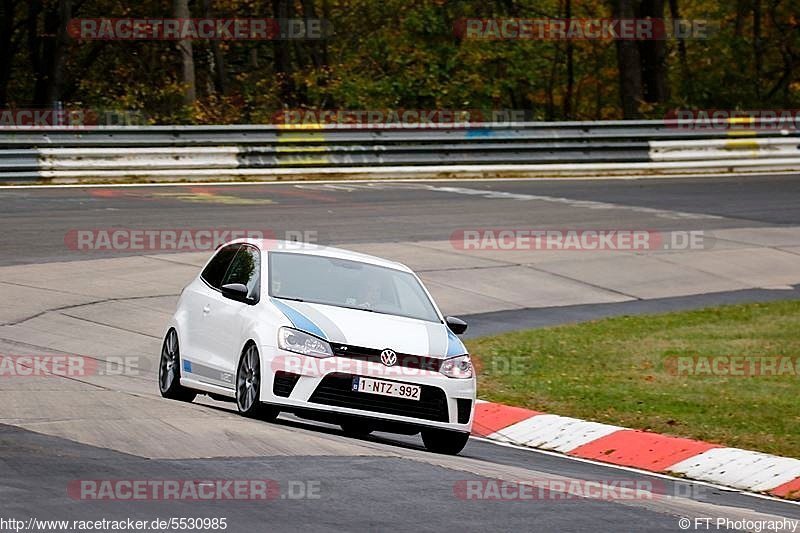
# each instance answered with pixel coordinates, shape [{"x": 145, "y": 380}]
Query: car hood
[{"x": 372, "y": 330}]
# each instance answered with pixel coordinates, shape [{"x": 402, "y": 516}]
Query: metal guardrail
[{"x": 560, "y": 148}]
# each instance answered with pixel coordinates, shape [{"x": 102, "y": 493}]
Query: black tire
[
  {"x": 248, "y": 387},
  {"x": 169, "y": 371},
  {"x": 356, "y": 428},
  {"x": 443, "y": 441}
]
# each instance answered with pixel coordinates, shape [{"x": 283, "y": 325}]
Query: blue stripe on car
[
  {"x": 298, "y": 319},
  {"x": 454, "y": 345},
  {"x": 187, "y": 366},
  {"x": 334, "y": 334},
  {"x": 437, "y": 339}
]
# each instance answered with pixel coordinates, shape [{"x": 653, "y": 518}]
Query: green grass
[{"x": 616, "y": 371}]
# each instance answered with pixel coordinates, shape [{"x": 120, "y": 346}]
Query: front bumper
[{"x": 324, "y": 385}]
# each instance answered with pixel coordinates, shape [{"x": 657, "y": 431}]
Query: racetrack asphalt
[
  {"x": 35, "y": 220},
  {"x": 100, "y": 303}
]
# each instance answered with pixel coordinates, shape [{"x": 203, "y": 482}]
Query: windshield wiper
[
  {"x": 290, "y": 298},
  {"x": 354, "y": 308},
  {"x": 360, "y": 309},
  {"x": 338, "y": 305}
]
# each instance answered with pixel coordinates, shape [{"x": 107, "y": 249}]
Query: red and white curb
[{"x": 731, "y": 467}]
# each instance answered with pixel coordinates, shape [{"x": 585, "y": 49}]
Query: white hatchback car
[{"x": 326, "y": 334}]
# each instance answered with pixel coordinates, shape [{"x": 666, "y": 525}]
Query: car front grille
[
  {"x": 336, "y": 390},
  {"x": 374, "y": 356}
]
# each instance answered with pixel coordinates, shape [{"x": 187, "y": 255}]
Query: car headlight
[
  {"x": 297, "y": 341},
  {"x": 457, "y": 367}
]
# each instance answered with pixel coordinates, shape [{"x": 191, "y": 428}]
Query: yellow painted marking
[
  {"x": 299, "y": 126},
  {"x": 741, "y": 120},
  {"x": 300, "y": 137},
  {"x": 742, "y": 144},
  {"x": 299, "y": 160},
  {"x": 742, "y": 133},
  {"x": 299, "y": 149},
  {"x": 212, "y": 198}
]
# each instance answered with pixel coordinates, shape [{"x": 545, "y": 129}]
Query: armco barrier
[{"x": 270, "y": 152}]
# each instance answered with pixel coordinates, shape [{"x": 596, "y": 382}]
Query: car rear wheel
[
  {"x": 248, "y": 387},
  {"x": 169, "y": 371},
  {"x": 443, "y": 441}
]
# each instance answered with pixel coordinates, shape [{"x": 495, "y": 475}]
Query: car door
[
  {"x": 201, "y": 300},
  {"x": 229, "y": 319}
]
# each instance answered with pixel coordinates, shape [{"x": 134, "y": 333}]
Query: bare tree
[
  {"x": 9, "y": 43},
  {"x": 570, "y": 89},
  {"x": 653, "y": 54},
  {"x": 60, "y": 48},
  {"x": 758, "y": 46},
  {"x": 47, "y": 40},
  {"x": 282, "y": 10},
  {"x": 741, "y": 12},
  {"x": 628, "y": 63},
  {"x": 688, "y": 85},
  {"x": 220, "y": 74},
  {"x": 181, "y": 10}
]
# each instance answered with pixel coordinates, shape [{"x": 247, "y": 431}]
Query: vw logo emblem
[{"x": 388, "y": 357}]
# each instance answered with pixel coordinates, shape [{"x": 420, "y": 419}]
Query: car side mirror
[
  {"x": 456, "y": 325},
  {"x": 236, "y": 291}
]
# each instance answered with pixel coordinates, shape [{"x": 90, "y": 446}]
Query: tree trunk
[
  {"x": 326, "y": 17},
  {"x": 316, "y": 46},
  {"x": 58, "y": 60},
  {"x": 35, "y": 9},
  {"x": 629, "y": 64},
  {"x": 789, "y": 57},
  {"x": 654, "y": 57},
  {"x": 688, "y": 85},
  {"x": 220, "y": 74},
  {"x": 47, "y": 49},
  {"x": 8, "y": 45},
  {"x": 758, "y": 51},
  {"x": 568, "y": 94},
  {"x": 283, "y": 69},
  {"x": 598, "y": 89},
  {"x": 181, "y": 10},
  {"x": 741, "y": 8}
]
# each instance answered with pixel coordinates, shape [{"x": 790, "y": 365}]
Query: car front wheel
[
  {"x": 443, "y": 441},
  {"x": 248, "y": 387}
]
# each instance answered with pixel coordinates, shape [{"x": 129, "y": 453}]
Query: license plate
[{"x": 387, "y": 388}]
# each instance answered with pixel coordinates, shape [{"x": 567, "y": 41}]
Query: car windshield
[{"x": 351, "y": 284}]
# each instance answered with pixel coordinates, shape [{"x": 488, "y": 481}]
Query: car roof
[{"x": 269, "y": 245}]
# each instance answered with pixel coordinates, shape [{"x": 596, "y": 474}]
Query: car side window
[
  {"x": 218, "y": 266},
  {"x": 245, "y": 269}
]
